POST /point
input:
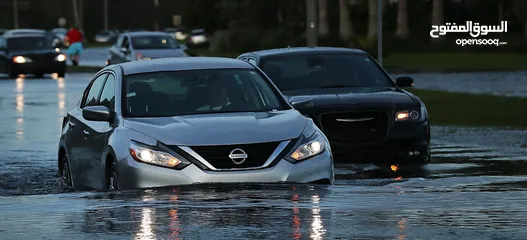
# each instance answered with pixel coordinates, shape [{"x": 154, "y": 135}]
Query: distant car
[
  {"x": 106, "y": 36},
  {"x": 136, "y": 46},
  {"x": 179, "y": 33},
  {"x": 364, "y": 113},
  {"x": 30, "y": 54},
  {"x": 197, "y": 37},
  {"x": 59, "y": 36},
  {"x": 181, "y": 121}
]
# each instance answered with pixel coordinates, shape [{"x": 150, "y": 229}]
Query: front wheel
[
  {"x": 61, "y": 74},
  {"x": 113, "y": 178},
  {"x": 66, "y": 173}
]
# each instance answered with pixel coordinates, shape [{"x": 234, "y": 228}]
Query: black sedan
[
  {"x": 366, "y": 116},
  {"x": 30, "y": 54}
]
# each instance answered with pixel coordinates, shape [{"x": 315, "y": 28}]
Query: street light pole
[
  {"x": 15, "y": 14},
  {"x": 311, "y": 23},
  {"x": 105, "y": 11},
  {"x": 156, "y": 12},
  {"x": 379, "y": 31}
]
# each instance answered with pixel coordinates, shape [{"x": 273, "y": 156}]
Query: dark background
[{"x": 257, "y": 24}]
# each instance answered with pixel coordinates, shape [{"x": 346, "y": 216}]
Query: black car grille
[
  {"x": 42, "y": 58},
  {"x": 218, "y": 156},
  {"x": 355, "y": 127}
]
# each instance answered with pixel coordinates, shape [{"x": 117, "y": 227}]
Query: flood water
[{"x": 471, "y": 190}]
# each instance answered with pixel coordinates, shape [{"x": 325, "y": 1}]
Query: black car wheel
[
  {"x": 65, "y": 174},
  {"x": 113, "y": 178},
  {"x": 39, "y": 75},
  {"x": 61, "y": 74}
]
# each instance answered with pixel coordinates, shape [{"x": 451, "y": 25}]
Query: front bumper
[
  {"x": 134, "y": 174},
  {"x": 30, "y": 68},
  {"x": 399, "y": 147}
]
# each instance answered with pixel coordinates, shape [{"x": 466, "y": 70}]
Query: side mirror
[
  {"x": 404, "y": 81},
  {"x": 97, "y": 113},
  {"x": 124, "y": 50},
  {"x": 301, "y": 101}
]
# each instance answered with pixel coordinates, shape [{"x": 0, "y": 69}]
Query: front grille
[
  {"x": 355, "y": 127},
  {"x": 218, "y": 156},
  {"x": 42, "y": 58}
]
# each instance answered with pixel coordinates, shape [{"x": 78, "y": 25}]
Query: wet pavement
[{"x": 475, "y": 187}]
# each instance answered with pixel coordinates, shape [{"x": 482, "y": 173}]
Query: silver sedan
[{"x": 182, "y": 121}]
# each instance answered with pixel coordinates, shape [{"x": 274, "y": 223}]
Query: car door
[
  {"x": 86, "y": 169},
  {"x": 98, "y": 132}
]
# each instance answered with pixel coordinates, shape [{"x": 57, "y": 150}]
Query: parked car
[
  {"x": 197, "y": 37},
  {"x": 30, "y": 54},
  {"x": 106, "y": 36},
  {"x": 364, "y": 113},
  {"x": 179, "y": 33},
  {"x": 182, "y": 121},
  {"x": 136, "y": 46}
]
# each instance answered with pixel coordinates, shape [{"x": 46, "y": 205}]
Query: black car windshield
[
  {"x": 154, "y": 42},
  {"x": 28, "y": 43},
  {"x": 313, "y": 71},
  {"x": 163, "y": 94}
]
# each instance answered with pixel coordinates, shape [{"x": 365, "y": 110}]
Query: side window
[
  {"x": 107, "y": 98},
  {"x": 93, "y": 93},
  {"x": 120, "y": 41},
  {"x": 126, "y": 43}
]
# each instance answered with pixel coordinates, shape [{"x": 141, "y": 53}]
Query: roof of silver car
[
  {"x": 145, "y": 33},
  {"x": 182, "y": 63}
]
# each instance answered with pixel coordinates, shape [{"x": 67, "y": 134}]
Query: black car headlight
[
  {"x": 22, "y": 59},
  {"x": 154, "y": 155},
  {"x": 308, "y": 148},
  {"x": 415, "y": 115},
  {"x": 60, "y": 58}
]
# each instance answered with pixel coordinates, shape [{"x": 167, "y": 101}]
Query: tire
[
  {"x": 39, "y": 75},
  {"x": 65, "y": 174},
  {"x": 112, "y": 182},
  {"x": 12, "y": 74},
  {"x": 61, "y": 74}
]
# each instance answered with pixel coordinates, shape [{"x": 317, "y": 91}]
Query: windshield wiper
[{"x": 337, "y": 86}]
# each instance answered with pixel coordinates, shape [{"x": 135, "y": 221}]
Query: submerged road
[{"x": 471, "y": 190}]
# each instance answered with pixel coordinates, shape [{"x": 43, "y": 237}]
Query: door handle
[
  {"x": 86, "y": 133},
  {"x": 71, "y": 124}
]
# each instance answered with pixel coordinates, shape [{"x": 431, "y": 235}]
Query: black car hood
[
  {"x": 337, "y": 99},
  {"x": 32, "y": 52}
]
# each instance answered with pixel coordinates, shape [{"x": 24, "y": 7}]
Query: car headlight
[
  {"x": 60, "y": 58},
  {"x": 311, "y": 147},
  {"x": 22, "y": 59},
  {"x": 411, "y": 115},
  {"x": 156, "y": 157}
]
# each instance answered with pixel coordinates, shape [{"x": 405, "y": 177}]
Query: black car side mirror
[
  {"x": 301, "y": 101},
  {"x": 404, "y": 81},
  {"x": 97, "y": 113}
]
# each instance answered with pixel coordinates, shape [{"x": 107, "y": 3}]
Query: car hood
[
  {"x": 357, "y": 98},
  {"x": 161, "y": 53},
  {"x": 221, "y": 129},
  {"x": 32, "y": 52}
]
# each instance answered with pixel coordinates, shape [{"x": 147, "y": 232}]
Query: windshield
[
  {"x": 154, "y": 42},
  {"x": 163, "y": 94},
  {"x": 314, "y": 71},
  {"x": 28, "y": 43}
]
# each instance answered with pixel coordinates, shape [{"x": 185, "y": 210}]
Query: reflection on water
[
  {"x": 402, "y": 226},
  {"x": 20, "y": 108},
  {"x": 147, "y": 221},
  {"x": 317, "y": 227},
  {"x": 175, "y": 225},
  {"x": 296, "y": 218}
]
